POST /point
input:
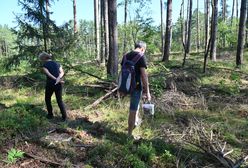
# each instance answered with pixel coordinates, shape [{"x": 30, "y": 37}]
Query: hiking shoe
[
  {"x": 64, "y": 120},
  {"x": 49, "y": 116}
]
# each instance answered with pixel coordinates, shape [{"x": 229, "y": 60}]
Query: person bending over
[{"x": 54, "y": 73}]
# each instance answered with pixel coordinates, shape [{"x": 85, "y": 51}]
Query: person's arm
[
  {"x": 61, "y": 74},
  {"x": 48, "y": 73},
  {"x": 144, "y": 78}
]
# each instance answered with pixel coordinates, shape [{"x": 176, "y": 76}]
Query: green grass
[{"x": 25, "y": 113}]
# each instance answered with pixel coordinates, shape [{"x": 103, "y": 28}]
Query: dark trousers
[{"x": 50, "y": 89}]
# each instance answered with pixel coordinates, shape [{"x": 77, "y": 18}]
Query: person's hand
[
  {"x": 57, "y": 80},
  {"x": 147, "y": 96}
]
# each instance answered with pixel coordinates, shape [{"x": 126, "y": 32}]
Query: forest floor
[{"x": 200, "y": 119}]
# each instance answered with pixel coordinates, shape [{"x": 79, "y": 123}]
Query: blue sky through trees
[{"x": 62, "y": 10}]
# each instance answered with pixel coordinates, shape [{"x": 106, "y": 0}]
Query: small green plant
[
  {"x": 167, "y": 156},
  {"x": 146, "y": 152},
  {"x": 135, "y": 162},
  {"x": 13, "y": 156}
]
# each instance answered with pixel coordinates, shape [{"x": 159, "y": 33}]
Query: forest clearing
[
  {"x": 215, "y": 102},
  {"x": 187, "y": 59}
]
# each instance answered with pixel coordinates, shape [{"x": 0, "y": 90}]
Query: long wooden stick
[
  {"x": 101, "y": 99},
  {"x": 43, "y": 160}
]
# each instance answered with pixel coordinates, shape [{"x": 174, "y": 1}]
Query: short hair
[
  {"x": 45, "y": 55},
  {"x": 140, "y": 44}
]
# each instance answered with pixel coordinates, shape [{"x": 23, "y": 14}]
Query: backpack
[{"x": 127, "y": 81}]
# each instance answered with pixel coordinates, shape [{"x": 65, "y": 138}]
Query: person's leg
[
  {"x": 134, "y": 106},
  {"x": 48, "y": 95},
  {"x": 58, "y": 93}
]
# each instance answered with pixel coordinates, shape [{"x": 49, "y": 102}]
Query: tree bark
[
  {"x": 224, "y": 11},
  {"x": 188, "y": 45},
  {"x": 207, "y": 20},
  {"x": 183, "y": 34},
  {"x": 233, "y": 6},
  {"x": 97, "y": 30},
  {"x": 162, "y": 25},
  {"x": 47, "y": 23},
  {"x": 214, "y": 30},
  {"x": 237, "y": 14},
  {"x": 103, "y": 58},
  {"x": 125, "y": 27},
  {"x": 112, "y": 68},
  {"x": 241, "y": 36},
  {"x": 106, "y": 30},
  {"x": 198, "y": 28},
  {"x": 43, "y": 25},
  {"x": 75, "y": 16},
  {"x": 167, "y": 44},
  {"x": 246, "y": 37}
]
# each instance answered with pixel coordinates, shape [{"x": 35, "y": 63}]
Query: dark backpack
[{"x": 127, "y": 81}]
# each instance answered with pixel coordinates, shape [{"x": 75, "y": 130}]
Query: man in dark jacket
[{"x": 54, "y": 73}]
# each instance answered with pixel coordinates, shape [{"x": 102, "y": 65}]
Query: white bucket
[{"x": 148, "y": 109}]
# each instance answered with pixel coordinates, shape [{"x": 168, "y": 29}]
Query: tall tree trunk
[
  {"x": 183, "y": 33},
  {"x": 103, "y": 58},
  {"x": 187, "y": 24},
  {"x": 224, "y": 11},
  {"x": 207, "y": 21},
  {"x": 75, "y": 15},
  {"x": 125, "y": 27},
  {"x": 106, "y": 29},
  {"x": 112, "y": 68},
  {"x": 167, "y": 44},
  {"x": 241, "y": 36},
  {"x": 214, "y": 30},
  {"x": 198, "y": 28},
  {"x": 97, "y": 30},
  {"x": 162, "y": 25},
  {"x": 237, "y": 15},
  {"x": 233, "y": 6},
  {"x": 43, "y": 25},
  {"x": 47, "y": 23},
  {"x": 188, "y": 45},
  {"x": 246, "y": 37}
]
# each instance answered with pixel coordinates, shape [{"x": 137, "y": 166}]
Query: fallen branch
[
  {"x": 43, "y": 160},
  {"x": 101, "y": 99},
  {"x": 96, "y": 86}
]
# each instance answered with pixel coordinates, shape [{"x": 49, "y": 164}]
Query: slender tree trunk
[
  {"x": 233, "y": 6},
  {"x": 97, "y": 30},
  {"x": 183, "y": 34},
  {"x": 44, "y": 25},
  {"x": 162, "y": 25},
  {"x": 241, "y": 36},
  {"x": 207, "y": 21},
  {"x": 125, "y": 27},
  {"x": 47, "y": 23},
  {"x": 187, "y": 24},
  {"x": 237, "y": 15},
  {"x": 112, "y": 68},
  {"x": 106, "y": 29},
  {"x": 198, "y": 28},
  {"x": 189, "y": 27},
  {"x": 214, "y": 30},
  {"x": 167, "y": 44},
  {"x": 224, "y": 10},
  {"x": 102, "y": 33},
  {"x": 246, "y": 36},
  {"x": 75, "y": 15}
]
